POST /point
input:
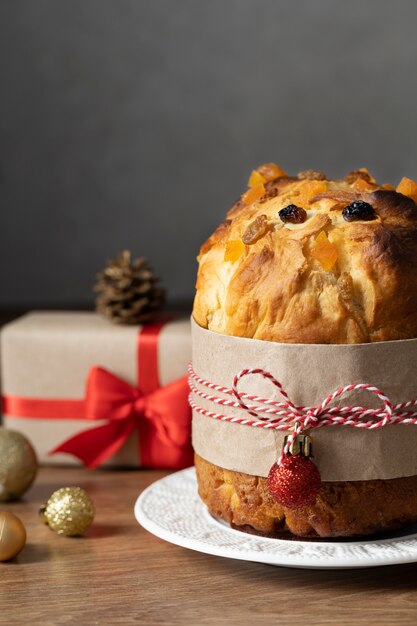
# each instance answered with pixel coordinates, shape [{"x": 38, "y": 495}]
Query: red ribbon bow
[{"x": 161, "y": 417}]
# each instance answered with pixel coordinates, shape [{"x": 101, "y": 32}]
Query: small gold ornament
[
  {"x": 18, "y": 464},
  {"x": 69, "y": 511},
  {"x": 12, "y": 535}
]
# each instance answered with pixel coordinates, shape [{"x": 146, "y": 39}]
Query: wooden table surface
[{"x": 120, "y": 574}]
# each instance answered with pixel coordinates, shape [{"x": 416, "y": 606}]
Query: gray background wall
[{"x": 132, "y": 123}]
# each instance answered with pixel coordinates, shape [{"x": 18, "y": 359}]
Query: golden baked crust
[
  {"x": 276, "y": 289},
  {"x": 341, "y": 508}
]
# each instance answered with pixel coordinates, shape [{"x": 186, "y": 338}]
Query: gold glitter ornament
[
  {"x": 12, "y": 535},
  {"x": 69, "y": 511},
  {"x": 18, "y": 464}
]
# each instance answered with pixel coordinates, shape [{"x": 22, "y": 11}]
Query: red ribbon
[{"x": 161, "y": 415}]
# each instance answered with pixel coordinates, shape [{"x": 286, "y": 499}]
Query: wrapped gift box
[{"x": 105, "y": 393}]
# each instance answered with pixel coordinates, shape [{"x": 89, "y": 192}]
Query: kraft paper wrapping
[
  {"x": 49, "y": 355},
  {"x": 308, "y": 373}
]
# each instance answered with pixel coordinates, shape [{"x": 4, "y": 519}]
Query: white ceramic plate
[{"x": 171, "y": 509}]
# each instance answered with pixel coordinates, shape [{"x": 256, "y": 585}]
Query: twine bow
[
  {"x": 286, "y": 415},
  {"x": 304, "y": 418}
]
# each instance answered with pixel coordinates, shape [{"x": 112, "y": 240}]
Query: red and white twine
[{"x": 275, "y": 415}]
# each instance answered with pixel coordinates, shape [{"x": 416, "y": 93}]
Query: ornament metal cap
[
  {"x": 42, "y": 514},
  {"x": 300, "y": 445}
]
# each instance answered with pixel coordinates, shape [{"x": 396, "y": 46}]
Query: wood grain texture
[{"x": 120, "y": 574}]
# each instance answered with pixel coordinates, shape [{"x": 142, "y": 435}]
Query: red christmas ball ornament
[{"x": 294, "y": 483}]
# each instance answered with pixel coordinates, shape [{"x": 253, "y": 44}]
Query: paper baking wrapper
[
  {"x": 49, "y": 355},
  {"x": 308, "y": 373}
]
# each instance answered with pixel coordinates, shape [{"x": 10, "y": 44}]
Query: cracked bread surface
[{"x": 276, "y": 289}]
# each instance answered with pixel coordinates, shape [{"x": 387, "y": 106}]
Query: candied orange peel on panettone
[
  {"x": 324, "y": 251},
  {"x": 408, "y": 188}
]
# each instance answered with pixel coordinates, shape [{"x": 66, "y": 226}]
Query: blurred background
[{"x": 134, "y": 124}]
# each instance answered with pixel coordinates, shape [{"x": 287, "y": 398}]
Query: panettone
[{"x": 309, "y": 260}]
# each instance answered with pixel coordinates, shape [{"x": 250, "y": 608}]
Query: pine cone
[{"x": 128, "y": 290}]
